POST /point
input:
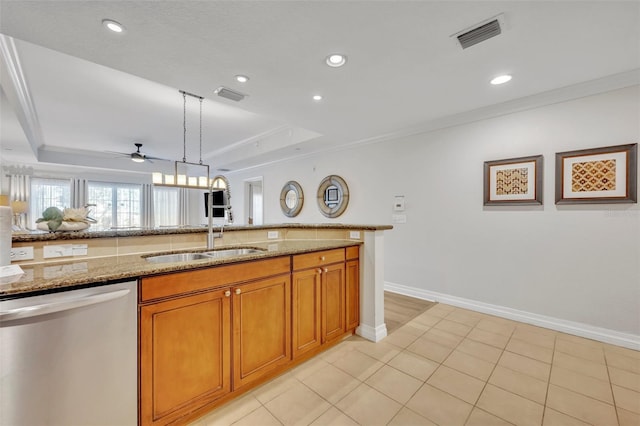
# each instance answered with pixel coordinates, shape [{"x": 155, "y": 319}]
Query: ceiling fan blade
[
  {"x": 149, "y": 157},
  {"x": 137, "y": 155},
  {"x": 124, "y": 154}
]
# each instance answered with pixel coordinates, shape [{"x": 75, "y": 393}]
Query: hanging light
[{"x": 186, "y": 174}]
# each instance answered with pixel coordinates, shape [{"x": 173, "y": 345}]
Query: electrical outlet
[
  {"x": 64, "y": 250},
  {"x": 272, "y": 235},
  {"x": 354, "y": 235},
  {"x": 21, "y": 253}
]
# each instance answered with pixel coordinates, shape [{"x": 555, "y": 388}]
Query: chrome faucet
[{"x": 211, "y": 236}]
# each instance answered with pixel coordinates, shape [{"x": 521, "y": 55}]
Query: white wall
[{"x": 574, "y": 263}]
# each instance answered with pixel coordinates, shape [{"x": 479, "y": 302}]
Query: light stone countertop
[
  {"x": 66, "y": 275},
  {"x": 32, "y": 236}
]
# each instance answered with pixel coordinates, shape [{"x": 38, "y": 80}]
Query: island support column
[{"x": 372, "y": 326}]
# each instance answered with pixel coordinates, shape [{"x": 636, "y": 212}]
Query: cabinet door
[
  {"x": 261, "y": 328},
  {"x": 333, "y": 302},
  {"x": 306, "y": 315},
  {"x": 353, "y": 294},
  {"x": 185, "y": 351}
]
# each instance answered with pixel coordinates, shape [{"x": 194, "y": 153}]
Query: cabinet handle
[
  {"x": 227, "y": 293},
  {"x": 322, "y": 258},
  {"x": 238, "y": 291},
  {"x": 319, "y": 270},
  {"x": 325, "y": 270}
]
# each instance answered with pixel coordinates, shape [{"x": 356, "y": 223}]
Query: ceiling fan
[{"x": 137, "y": 156}]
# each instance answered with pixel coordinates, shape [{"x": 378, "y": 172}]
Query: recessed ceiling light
[
  {"x": 242, "y": 78},
  {"x": 501, "y": 79},
  {"x": 317, "y": 97},
  {"x": 336, "y": 60},
  {"x": 112, "y": 25}
]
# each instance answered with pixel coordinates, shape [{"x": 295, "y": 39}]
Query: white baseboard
[
  {"x": 605, "y": 335},
  {"x": 375, "y": 334}
]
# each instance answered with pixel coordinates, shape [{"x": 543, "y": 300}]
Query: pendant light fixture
[{"x": 186, "y": 174}]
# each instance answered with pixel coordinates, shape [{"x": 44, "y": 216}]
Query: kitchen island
[
  {"x": 219, "y": 325},
  {"x": 117, "y": 255}
]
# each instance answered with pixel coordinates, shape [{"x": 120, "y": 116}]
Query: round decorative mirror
[
  {"x": 291, "y": 198},
  {"x": 333, "y": 196}
]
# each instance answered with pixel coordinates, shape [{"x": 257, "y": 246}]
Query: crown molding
[
  {"x": 14, "y": 84},
  {"x": 556, "y": 96}
]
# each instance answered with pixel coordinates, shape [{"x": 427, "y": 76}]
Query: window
[
  {"x": 47, "y": 193},
  {"x": 117, "y": 205},
  {"x": 166, "y": 206}
]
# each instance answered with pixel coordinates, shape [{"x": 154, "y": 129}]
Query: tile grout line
[
  {"x": 475, "y": 405},
  {"x": 424, "y": 382}
]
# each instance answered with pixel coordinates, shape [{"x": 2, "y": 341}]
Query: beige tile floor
[{"x": 450, "y": 366}]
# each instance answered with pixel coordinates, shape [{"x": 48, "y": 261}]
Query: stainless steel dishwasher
[{"x": 70, "y": 358}]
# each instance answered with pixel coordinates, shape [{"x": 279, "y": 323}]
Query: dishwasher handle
[{"x": 49, "y": 308}]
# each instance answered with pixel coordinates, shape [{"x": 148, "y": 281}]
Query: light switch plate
[
  {"x": 354, "y": 235},
  {"x": 272, "y": 235}
]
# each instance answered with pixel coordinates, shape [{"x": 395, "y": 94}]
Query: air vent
[
  {"x": 480, "y": 32},
  {"x": 229, "y": 94}
]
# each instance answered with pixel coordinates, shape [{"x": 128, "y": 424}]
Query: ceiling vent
[
  {"x": 229, "y": 94},
  {"x": 480, "y": 32}
]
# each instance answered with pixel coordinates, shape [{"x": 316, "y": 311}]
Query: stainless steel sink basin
[
  {"x": 232, "y": 252},
  {"x": 186, "y": 257},
  {"x": 179, "y": 257}
]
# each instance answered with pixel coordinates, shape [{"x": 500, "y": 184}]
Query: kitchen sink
[
  {"x": 232, "y": 252},
  {"x": 179, "y": 257},
  {"x": 213, "y": 254}
]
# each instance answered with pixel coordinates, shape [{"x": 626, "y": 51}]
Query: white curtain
[
  {"x": 183, "y": 202},
  {"x": 19, "y": 187},
  {"x": 147, "y": 206},
  {"x": 20, "y": 190},
  {"x": 78, "y": 193}
]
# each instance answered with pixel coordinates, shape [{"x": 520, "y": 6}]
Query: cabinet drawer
[
  {"x": 216, "y": 276},
  {"x": 318, "y": 258},
  {"x": 353, "y": 252}
]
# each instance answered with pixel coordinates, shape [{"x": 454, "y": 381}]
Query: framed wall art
[
  {"x": 513, "y": 181},
  {"x": 599, "y": 175}
]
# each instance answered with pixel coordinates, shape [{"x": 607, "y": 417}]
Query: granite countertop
[
  {"x": 137, "y": 232},
  {"x": 65, "y": 275}
]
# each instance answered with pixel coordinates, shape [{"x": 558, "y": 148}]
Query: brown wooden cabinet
[
  {"x": 325, "y": 297},
  {"x": 189, "y": 336},
  {"x": 306, "y": 311},
  {"x": 333, "y": 302},
  {"x": 261, "y": 328},
  {"x": 210, "y": 333},
  {"x": 185, "y": 352}
]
